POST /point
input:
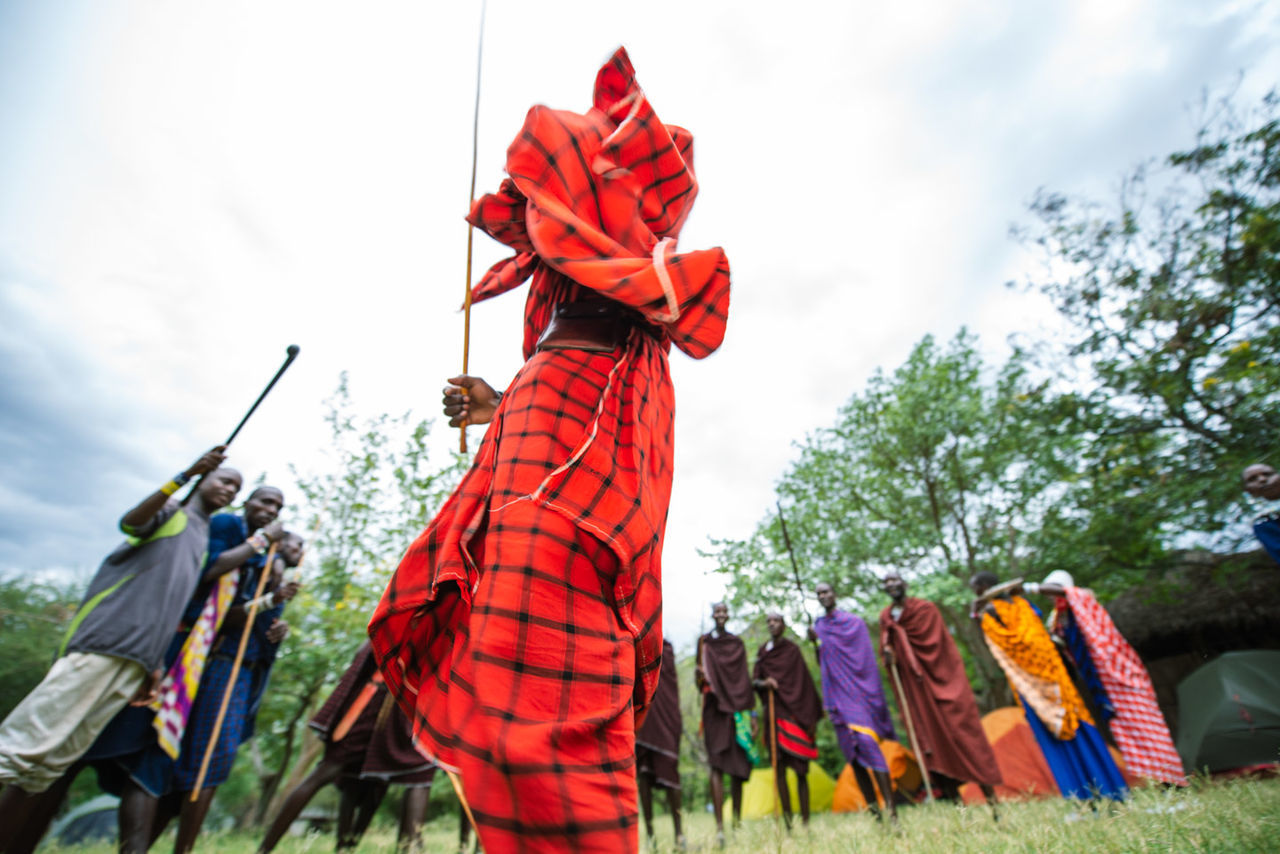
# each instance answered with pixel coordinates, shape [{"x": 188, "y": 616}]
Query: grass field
[{"x": 1239, "y": 816}]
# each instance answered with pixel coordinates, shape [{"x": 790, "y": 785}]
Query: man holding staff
[
  {"x": 793, "y": 710},
  {"x": 243, "y": 696},
  {"x": 114, "y": 648},
  {"x": 934, "y": 694},
  {"x": 522, "y": 630},
  {"x": 854, "y": 697}
]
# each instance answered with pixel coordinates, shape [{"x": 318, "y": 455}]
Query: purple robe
[{"x": 851, "y": 688}]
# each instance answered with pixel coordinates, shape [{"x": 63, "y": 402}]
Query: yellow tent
[{"x": 760, "y": 798}]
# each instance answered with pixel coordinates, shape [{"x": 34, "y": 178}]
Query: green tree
[
  {"x": 1173, "y": 295},
  {"x": 33, "y": 619},
  {"x": 937, "y": 470}
]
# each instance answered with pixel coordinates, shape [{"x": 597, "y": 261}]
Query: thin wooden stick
[
  {"x": 773, "y": 759},
  {"x": 911, "y": 733},
  {"x": 235, "y": 673},
  {"x": 462, "y": 799},
  {"x": 471, "y": 229}
]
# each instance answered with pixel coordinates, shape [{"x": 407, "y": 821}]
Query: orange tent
[
  {"x": 1026, "y": 774},
  {"x": 903, "y": 770}
]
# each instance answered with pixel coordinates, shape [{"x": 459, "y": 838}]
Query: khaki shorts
[{"x": 60, "y": 719}]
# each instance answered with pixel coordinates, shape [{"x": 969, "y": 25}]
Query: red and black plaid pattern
[
  {"x": 522, "y": 630},
  {"x": 1138, "y": 727}
]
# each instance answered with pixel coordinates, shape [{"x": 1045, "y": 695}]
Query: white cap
[{"x": 1060, "y": 577}]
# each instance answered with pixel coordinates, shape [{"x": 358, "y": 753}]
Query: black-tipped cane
[{"x": 292, "y": 353}]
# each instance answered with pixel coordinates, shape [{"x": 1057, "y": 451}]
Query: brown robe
[
  {"x": 943, "y": 710},
  {"x": 726, "y": 688},
  {"x": 379, "y": 745},
  {"x": 796, "y": 699},
  {"x": 658, "y": 741}
]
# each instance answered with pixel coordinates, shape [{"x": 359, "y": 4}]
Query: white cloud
[{"x": 186, "y": 189}]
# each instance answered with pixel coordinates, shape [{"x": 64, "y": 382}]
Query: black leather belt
[{"x": 597, "y": 326}]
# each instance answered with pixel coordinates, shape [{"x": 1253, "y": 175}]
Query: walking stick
[
  {"x": 911, "y": 731},
  {"x": 773, "y": 758},
  {"x": 471, "y": 229},
  {"x": 291, "y": 353},
  {"x": 235, "y": 672},
  {"x": 795, "y": 567}
]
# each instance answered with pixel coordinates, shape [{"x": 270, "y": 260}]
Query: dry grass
[{"x": 1241, "y": 816}]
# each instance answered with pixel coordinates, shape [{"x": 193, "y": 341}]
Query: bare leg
[
  {"x": 25, "y": 817},
  {"x": 191, "y": 819},
  {"x": 673, "y": 804},
  {"x": 784, "y": 795},
  {"x": 735, "y": 789},
  {"x": 886, "y": 788},
  {"x": 136, "y": 815},
  {"x": 645, "y": 787},
  {"x": 167, "y": 809},
  {"x": 802, "y": 791},
  {"x": 717, "y": 800},
  {"x": 990, "y": 792},
  {"x": 413, "y": 811},
  {"x": 368, "y": 799},
  {"x": 868, "y": 789},
  {"x": 324, "y": 774}
]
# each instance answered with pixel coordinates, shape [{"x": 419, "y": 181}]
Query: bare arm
[
  {"x": 237, "y": 555},
  {"x": 140, "y": 515}
]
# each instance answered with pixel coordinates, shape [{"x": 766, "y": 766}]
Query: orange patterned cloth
[
  {"x": 522, "y": 631},
  {"x": 1024, "y": 650}
]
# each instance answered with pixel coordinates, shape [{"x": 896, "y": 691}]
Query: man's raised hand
[{"x": 212, "y": 458}]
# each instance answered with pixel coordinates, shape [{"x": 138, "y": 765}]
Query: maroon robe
[
  {"x": 379, "y": 745},
  {"x": 726, "y": 688},
  {"x": 658, "y": 741},
  {"x": 796, "y": 701},
  {"x": 938, "y": 697}
]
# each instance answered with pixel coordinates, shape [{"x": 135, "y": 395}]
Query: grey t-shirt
[{"x": 135, "y": 601}]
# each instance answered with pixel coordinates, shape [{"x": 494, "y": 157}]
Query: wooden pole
[
  {"x": 462, "y": 799},
  {"x": 911, "y": 732},
  {"x": 471, "y": 229},
  {"x": 773, "y": 758},
  {"x": 235, "y": 673}
]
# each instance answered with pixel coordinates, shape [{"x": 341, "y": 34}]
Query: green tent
[{"x": 1229, "y": 712}]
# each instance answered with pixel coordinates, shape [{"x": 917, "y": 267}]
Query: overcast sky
[{"x": 186, "y": 188}]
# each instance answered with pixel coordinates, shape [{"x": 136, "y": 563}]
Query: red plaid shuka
[
  {"x": 522, "y": 630},
  {"x": 1138, "y": 727}
]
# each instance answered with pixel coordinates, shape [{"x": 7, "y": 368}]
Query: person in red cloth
[
  {"x": 1113, "y": 673},
  {"x": 522, "y": 630},
  {"x": 791, "y": 702},
  {"x": 367, "y": 746},
  {"x": 728, "y": 718},
  {"x": 658, "y": 748},
  {"x": 935, "y": 693}
]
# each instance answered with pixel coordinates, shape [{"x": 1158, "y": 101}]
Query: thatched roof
[{"x": 1205, "y": 604}]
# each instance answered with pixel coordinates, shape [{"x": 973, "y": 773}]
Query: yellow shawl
[{"x": 1028, "y": 656}]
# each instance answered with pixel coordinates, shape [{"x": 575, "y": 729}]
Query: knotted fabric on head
[{"x": 600, "y": 198}]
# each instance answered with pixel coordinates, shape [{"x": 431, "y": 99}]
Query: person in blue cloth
[
  {"x": 1261, "y": 481},
  {"x": 1073, "y": 748},
  {"x": 265, "y": 635}
]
